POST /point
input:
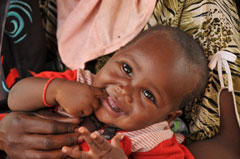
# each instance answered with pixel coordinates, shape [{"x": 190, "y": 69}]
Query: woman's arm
[{"x": 226, "y": 143}]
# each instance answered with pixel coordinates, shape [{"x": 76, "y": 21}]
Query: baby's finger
[
  {"x": 98, "y": 92},
  {"x": 91, "y": 143},
  {"x": 87, "y": 111},
  {"x": 100, "y": 142},
  {"x": 95, "y": 103},
  {"x": 68, "y": 150},
  {"x": 116, "y": 140},
  {"x": 75, "y": 152}
]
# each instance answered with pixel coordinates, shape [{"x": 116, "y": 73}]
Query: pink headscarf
[{"x": 88, "y": 29}]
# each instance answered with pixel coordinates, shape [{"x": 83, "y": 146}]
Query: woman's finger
[
  {"x": 56, "y": 116},
  {"x": 33, "y": 124},
  {"x": 50, "y": 142},
  {"x": 30, "y": 154}
]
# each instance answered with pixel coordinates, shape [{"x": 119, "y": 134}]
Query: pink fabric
[{"x": 88, "y": 29}]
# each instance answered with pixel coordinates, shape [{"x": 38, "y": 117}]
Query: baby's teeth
[{"x": 113, "y": 105}]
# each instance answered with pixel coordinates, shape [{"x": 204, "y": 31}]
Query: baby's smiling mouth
[
  {"x": 110, "y": 104},
  {"x": 113, "y": 105}
]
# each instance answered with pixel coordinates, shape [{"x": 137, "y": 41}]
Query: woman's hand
[
  {"x": 99, "y": 147},
  {"x": 37, "y": 135}
]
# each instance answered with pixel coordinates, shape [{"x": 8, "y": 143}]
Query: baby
[{"x": 139, "y": 91}]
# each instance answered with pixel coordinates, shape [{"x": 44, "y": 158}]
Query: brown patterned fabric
[
  {"x": 48, "y": 11},
  {"x": 216, "y": 26}
]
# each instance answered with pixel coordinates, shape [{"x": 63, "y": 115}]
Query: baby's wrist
[{"x": 52, "y": 91}]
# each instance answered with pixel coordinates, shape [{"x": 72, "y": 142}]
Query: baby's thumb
[
  {"x": 116, "y": 140},
  {"x": 98, "y": 92}
]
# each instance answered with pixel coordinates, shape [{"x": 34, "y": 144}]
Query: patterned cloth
[
  {"x": 23, "y": 43},
  {"x": 146, "y": 139},
  {"x": 48, "y": 13},
  {"x": 216, "y": 26},
  {"x": 23, "y": 47}
]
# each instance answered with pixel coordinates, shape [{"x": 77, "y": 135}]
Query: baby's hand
[
  {"x": 78, "y": 98},
  {"x": 99, "y": 147}
]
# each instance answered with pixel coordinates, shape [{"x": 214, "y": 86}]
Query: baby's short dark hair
[{"x": 193, "y": 53}]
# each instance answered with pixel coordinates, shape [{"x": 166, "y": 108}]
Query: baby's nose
[{"x": 126, "y": 92}]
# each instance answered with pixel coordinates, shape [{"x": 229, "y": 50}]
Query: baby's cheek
[{"x": 138, "y": 122}]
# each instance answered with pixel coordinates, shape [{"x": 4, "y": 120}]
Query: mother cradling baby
[{"x": 88, "y": 30}]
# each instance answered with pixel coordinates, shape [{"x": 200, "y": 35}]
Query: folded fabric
[{"x": 90, "y": 29}]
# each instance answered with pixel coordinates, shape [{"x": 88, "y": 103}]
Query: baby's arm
[
  {"x": 26, "y": 95},
  {"x": 76, "y": 98}
]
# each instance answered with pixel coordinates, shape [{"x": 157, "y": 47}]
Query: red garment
[
  {"x": 69, "y": 75},
  {"x": 125, "y": 144},
  {"x": 2, "y": 115},
  {"x": 168, "y": 149},
  {"x": 12, "y": 76}
]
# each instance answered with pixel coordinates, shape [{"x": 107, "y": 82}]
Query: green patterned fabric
[{"x": 216, "y": 26}]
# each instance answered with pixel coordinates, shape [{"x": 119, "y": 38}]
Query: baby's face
[{"x": 143, "y": 84}]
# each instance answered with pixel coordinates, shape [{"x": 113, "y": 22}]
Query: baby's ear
[{"x": 173, "y": 115}]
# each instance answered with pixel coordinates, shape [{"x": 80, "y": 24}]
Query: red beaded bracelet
[{"x": 44, "y": 92}]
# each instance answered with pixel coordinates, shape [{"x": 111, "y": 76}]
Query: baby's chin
[
  {"x": 121, "y": 121},
  {"x": 102, "y": 119},
  {"x": 125, "y": 127}
]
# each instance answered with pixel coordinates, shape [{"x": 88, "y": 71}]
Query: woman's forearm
[{"x": 226, "y": 143}]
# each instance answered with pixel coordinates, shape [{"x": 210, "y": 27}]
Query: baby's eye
[
  {"x": 149, "y": 95},
  {"x": 127, "y": 69}
]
